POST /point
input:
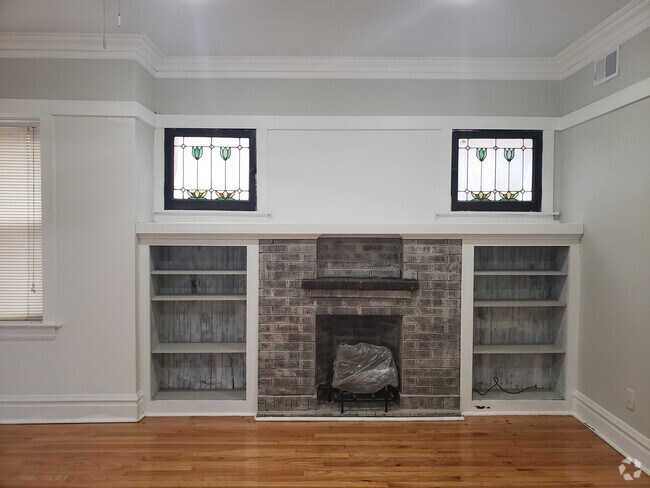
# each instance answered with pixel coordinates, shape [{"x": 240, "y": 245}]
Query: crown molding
[
  {"x": 358, "y": 68},
  {"x": 619, "y": 27},
  {"x": 141, "y": 49},
  {"x": 82, "y": 46}
]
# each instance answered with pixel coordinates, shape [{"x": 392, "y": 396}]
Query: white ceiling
[{"x": 454, "y": 28}]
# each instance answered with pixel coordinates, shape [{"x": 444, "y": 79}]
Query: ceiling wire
[
  {"x": 119, "y": 20},
  {"x": 104, "y": 25}
]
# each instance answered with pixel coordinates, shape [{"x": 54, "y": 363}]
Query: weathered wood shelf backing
[
  {"x": 521, "y": 258},
  {"x": 519, "y": 303},
  {"x": 518, "y": 349},
  {"x": 198, "y": 322},
  {"x": 198, "y": 258},
  {"x": 199, "y": 348},
  {"x": 200, "y": 395},
  {"x": 196, "y": 298},
  {"x": 216, "y": 272},
  {"x": 519, "y": 322},
  {"x": 534, "y": 394},
  {"x": 520, "y": 273}
]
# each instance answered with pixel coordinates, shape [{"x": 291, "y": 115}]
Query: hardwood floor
[{"x": 223, "y": 452}]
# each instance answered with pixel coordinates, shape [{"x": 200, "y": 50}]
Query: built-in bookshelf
[
  {"x": 520, "y": 322},
  {"x": 198, "y": 322}
]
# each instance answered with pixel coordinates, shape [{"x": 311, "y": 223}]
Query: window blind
[{"x": 21, "y": 263}]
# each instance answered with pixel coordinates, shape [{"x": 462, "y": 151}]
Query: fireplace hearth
[{"x": 318, "y": 293}]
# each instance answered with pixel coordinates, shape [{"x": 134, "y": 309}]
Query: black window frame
[
  {"x": 535, "y": 205},
  {"x": 235, "y": 205}
]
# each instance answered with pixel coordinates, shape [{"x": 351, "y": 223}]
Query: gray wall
[
  {"x": 144, "y": 161},
  {"x": 356, "y": 97},
  {"x": 602, "y": 176},
  {"x": 578, "y": 89},
  {"x": 144, "y": 90},
  {"x": 76, "y": 79},
  {"x": 125, "y": 80}
]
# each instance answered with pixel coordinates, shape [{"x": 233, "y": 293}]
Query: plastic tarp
[{"x": 364, "y": 368}]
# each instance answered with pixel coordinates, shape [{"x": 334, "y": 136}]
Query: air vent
[{"x": 606, "y": 68}]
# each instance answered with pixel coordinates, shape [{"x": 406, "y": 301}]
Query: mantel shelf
[
  {"x": 391, "y": 284},
  {"x": 200, "y": 348},
  {"x": 151, "y": 231},
  {"x": 197, "y": 298}
]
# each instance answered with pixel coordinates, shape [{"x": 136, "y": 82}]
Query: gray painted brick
[{"x": 430, "y": 324}]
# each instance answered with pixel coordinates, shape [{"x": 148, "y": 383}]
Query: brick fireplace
[{"x": 317, "y": 293}]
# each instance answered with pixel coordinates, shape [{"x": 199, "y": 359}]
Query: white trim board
[
  {"x": 503, "y": 413},
  {"x": 624, "y": 24},
  {"x": 622, "y": 437},
  {"x": 190, "y": 230},
  {"x": 633, "y": 93},
  {"x": 76, "y": 108},
  {"x": 52, "y": 409}
]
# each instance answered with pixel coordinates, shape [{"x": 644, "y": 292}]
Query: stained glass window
[
  {"x": 496, "y": 170},
  {"x": 210, "y": 169}
]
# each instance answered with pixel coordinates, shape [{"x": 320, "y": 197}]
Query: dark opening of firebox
[{"x": 332, "y": 330}]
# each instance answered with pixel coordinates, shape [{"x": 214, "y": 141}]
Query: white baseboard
[
  {"x": 57, "y": 409},
  {"x": 618, "y": 434},
  {"x": 501, "y": 413}
]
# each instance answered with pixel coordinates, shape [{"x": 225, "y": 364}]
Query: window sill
[
  {"x": 476, "y": 216},
  {"x": 34, "y": 331},
  {"x": 209, "y": 216}
]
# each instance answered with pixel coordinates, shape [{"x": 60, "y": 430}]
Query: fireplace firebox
[{"x": 334, "y": 330}]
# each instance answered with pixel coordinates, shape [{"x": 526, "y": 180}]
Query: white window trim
[
  {"x": 48, "y": 327},
  {"x": 28, "y": 330}
]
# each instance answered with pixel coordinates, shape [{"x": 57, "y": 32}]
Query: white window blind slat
[{"x": 21, "y": 262}]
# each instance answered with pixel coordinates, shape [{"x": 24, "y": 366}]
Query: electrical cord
[{"x": 496, "y": 384}]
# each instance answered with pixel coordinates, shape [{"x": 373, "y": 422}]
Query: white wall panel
[
  {"x": 94, "y": 352},
  {"x": 358, "y": 176}
]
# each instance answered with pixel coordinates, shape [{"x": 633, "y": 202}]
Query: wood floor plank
[{"x": 238, "y": 452}]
